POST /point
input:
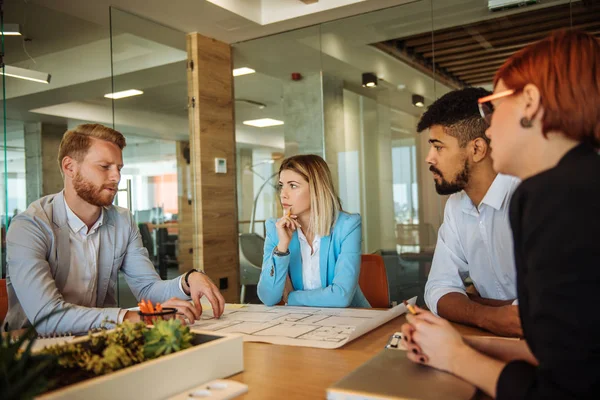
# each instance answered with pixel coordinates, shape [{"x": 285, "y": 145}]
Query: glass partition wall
[
  {"x": 70, "y": 59},
  {"x": 353, "y": 91},
  {"x": 149, "y": 83},
  {"x": 296, "y": 92}
]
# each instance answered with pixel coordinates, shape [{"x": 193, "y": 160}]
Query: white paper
[{"x": 325, "y": 328}]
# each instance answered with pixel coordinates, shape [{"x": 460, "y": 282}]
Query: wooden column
[
  {"x": 185, "y": 217},
  {"x": 212, "y": 135}
]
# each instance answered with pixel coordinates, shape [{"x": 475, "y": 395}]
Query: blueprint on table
[{"x": 327, "y": 328}]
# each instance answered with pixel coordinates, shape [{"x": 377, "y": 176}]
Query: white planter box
[{"x": 165, "y": 376}]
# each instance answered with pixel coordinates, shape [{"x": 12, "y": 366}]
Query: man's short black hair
[{"x": 458, "y": 113}]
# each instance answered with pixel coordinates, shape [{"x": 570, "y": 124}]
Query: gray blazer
[{"x": 38, "y": 258}]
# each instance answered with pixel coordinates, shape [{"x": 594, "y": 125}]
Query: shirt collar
[
  {"x": 76, "y": 224},
  {"x": 495, "y": 196},
  {"x": 303, "y": 238},
  {"x": 498, "y": 192}
]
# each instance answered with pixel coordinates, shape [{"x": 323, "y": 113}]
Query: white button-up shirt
[
  {"x": 475, "y": 242},
  {"x": 311, "y": 268},
  {"x": 82, "y": 280}
]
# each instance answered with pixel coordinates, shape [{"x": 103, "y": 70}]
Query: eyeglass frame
[{"x": 487, "y": 116}]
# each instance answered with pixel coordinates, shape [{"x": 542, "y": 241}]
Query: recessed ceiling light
[
  {"x": 263, "y": 122},
  {"x": 27, "y": 74},
  {"x": 11, "y": 30},
  {"x": 123, "y": 93},
  {"x": 243, "y": 71}
]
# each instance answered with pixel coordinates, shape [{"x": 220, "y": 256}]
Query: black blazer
[{"x": 555, "y": 218}]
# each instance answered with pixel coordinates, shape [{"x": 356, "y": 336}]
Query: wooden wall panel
[
  {"x": 212, "y": 135},
  {"x": 185, "y": 217}
]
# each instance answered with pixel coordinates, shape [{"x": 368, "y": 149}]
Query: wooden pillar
[
  {"x": 212, "y": 135},
  {"x": 185, "y": 217}
]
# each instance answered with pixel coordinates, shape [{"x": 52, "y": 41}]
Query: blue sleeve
[
  {"x": 347, "y": 270},
  {"x": 274, "y": 269}
]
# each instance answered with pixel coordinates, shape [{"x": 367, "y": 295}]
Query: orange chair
[
  {"x": 373, "y": 281},
  {"x": 3, "y": 300}
]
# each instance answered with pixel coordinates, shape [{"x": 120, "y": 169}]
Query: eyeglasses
[{"x": 486, "y": 108}]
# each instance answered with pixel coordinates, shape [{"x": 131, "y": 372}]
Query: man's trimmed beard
[
  {"x": 460, "y": 182},
  {"x": 91, "y": 193}
]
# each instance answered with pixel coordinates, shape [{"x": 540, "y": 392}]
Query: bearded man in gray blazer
[{"x": 65, "y": 251}]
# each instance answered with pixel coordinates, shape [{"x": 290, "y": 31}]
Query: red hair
[{"x": 565, "y": 67}]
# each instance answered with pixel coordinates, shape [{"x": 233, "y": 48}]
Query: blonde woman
[{"x": 312, "y": 254}]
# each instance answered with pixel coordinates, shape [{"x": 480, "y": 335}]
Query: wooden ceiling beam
[
  {"x": 480, "y": 75},
  {"x": 533, "y": 30},
  {"x": 511, "y": 40},
  {"x": 475, "y": 66},
  {"x": 476, "y": 73},
  {"x": 480, "y": 53},
  {"x": 491, "y": 25},
  {"x": 481, "y": 81},
  {"x": 449, "y": 64},
  {"x": 417, "y": 64}
]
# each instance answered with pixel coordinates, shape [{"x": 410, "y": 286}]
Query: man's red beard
[{"x": 95, "y": 195}]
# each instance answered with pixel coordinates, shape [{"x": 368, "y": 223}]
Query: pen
[{"x": 410, "y": 307}]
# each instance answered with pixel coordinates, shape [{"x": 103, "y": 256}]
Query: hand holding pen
[{"x": 431, "y": 340}]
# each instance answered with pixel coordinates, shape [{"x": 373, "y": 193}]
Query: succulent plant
[
  {"x": 24, "y": 375},
  {"x": 166, "y": 337},
  {"x": 105, "y": 351}
]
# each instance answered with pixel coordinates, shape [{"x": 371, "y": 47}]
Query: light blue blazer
[{"x": 339, "y": 254}]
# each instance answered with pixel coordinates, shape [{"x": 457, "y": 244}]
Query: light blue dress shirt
[{"x": 475, "y": 242}]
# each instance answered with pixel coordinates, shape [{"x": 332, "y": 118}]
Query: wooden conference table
[{"x": 289, "y": 372}]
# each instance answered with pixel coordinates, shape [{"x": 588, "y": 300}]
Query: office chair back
[
  {"x": 3, "y": 299},
  {"x": 251, "y": 255},
  {"x": 147, "y": 239},
  {"x": 373, "y": 281}
]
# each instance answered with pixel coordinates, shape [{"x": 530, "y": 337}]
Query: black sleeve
[{"x": 558, "y": 236}]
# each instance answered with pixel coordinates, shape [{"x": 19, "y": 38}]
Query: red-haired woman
[{"x": 544, "y": 121}]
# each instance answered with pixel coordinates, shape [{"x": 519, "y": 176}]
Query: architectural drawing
[{"x": 327, "y": 328}]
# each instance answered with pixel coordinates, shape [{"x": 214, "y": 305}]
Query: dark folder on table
[{"x": 390, "y": 375}]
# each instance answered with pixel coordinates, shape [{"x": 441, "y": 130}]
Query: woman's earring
[{"x": 526, "y": 122}]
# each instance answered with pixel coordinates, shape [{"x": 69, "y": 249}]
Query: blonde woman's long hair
[{"x": 325, "y": 205}]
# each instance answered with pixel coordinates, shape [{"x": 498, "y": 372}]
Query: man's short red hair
[{"x": 565, "y": 67}]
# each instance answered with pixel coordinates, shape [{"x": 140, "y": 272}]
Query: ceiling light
[
  {"x": 27, "y": 74},
  {"x": 369, "y": 79},
  {"x": 11, "y": 30},
  {"x": 418, "y": 100},
  {"x": 243, "y": 71},
  {"x": 263, "y": 122},
  {"x": 258, "y": 104},
  {"x": 124, "y": 93}
]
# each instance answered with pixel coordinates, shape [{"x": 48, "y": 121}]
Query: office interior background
[{"x": 347, "y": 83}]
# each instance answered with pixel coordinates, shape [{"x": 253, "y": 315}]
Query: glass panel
[
  {"x": 371, "y": 144},
  {"x": 285, "y": 87},
  {"x": 76, "y": 55},
  {"x": 149, "y": 61}
]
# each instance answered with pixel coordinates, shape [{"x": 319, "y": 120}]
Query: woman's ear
[{"x": 533, "y": 104}]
